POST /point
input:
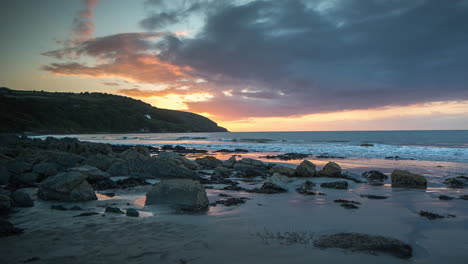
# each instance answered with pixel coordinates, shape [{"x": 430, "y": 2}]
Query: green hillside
[{"x": 46, "y": 112}]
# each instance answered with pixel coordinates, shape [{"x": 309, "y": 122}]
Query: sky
[{"x": 252, "y": 65}]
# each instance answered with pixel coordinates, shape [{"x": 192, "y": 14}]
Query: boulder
[
  {"x": 208, "y": 162},
  {"x": 27, "y": 179},
  {"x": 286, "y": 171},
  {"x": 250, "y": 168},
  {"x": 18, "y": 167},
  {"x": 45, "y": 169},
  {"x": 457, "y": 182},
  {"x": 132, "y": 212},
  {"x": 335, "y": 185},
  {"x": 230, "y": 162},
  {"x": 221, "y": 172},
  {"x": 93, "y": 174},
  {"x": 142, "y": 150},
  {"x": 365, "y": 243},
  {"x": 63, "y": 160},
  {"x": 67, "y": 187},
  {"x": 113, "y": 210},
  {"x": 22, "y": 199},
  {"x": 402, "y": 178},
  {"x": 353, "y": 177},
  {"x": 375, "y": 177},
  {"x": 280, "y": 180},
  {"x": 166, "y": 168},
  {"x": 182, "y": 194},
  {"x": 306, "y": 188},
  {"x": 331, "y": 169},
  {"x": 100, "y": 161},
  {"x": 305, "y": 169},
  {"x": 190, "y": 164}
]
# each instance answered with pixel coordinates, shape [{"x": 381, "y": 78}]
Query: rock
[
  {"x": 279, "y": 180},
  {"x": 113, "y": 210},
  {"x": 131, "y": 182},
  {"x": 132, "y": 212},
  {"x": 67, "y": 187},
  {"x": 349, "y": 206},
  {"x": 353, "y": 177},
  {"x": 230, "y": 162},
  {"x": 457, "y": 182},
  {"x": 27, "y": 179},
  {"x": 306, "y": 188},
  {"x": 76, "y": 208},
  {"x": 288, "y": 156},
  {"x": 45, "y": 169},
  {"x": 183, "y": 194},
  {"x": 445, "y": 197},
  {"x": 190, "y": 164},
  {"x": 375, "y": 197},
  {"x": 7, "y": 229},
  {"x": 22, "y": 199},
  {"x": 167, "y": 168},
  {"x": 100, "y": 161},
  {"x": 104, "y": 184},
  {"x": 142, "y": 150},
  {"x": 18, "y": 167},
  {"x": 286, "y": 171},
  {"x": 234, "y": 187},
  {"x": 365, "y": 243},
  {"x": 305, "y": 169},
  {"x": 342, "y": 201},
  {"x": 63, "y": 160},
  {"x": 250, "y": 168},
  {"x": 232, "y": 151},
  {"x": 269, "y": 188},
  {"x": 402, "y": 178},
  {"x": 335, "y": 185},
  {"x": 93, "y": 174},
  {"x": 331, "y": 169},
  {"x": 430, "y": 216},
  {"x": 367, "y": 145},
  {"x": 221, "y": 172},
  {"x": 5, "y": 203},
  {"x": 232, "y": 201},
  {"x": 464, "y": 197},
  {"x": 375, "y": 177},
  {"x": 208, "y": 162}
]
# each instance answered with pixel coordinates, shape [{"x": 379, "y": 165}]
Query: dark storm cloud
[{"x": 344, "y": 55}]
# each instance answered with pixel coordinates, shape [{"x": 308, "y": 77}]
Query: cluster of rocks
[{"x": 181, "y": 149}]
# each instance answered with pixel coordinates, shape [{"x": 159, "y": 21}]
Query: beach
[{"x": 266, "y": 228}]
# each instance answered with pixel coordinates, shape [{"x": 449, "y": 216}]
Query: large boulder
[
  {"x": 306, "y": 169},
  {"x": 286, "y": 171},
  {"x": 45, "y": 169},
  {"x": 67, "y": 187},
  {"x": 402, "y": 178},
  {"x": 331, "y": 169},
  {"x": 208, "y": 162},
  {"x": 179, "y": 193},
  {"x": 221, "y": 172},
  {"x": 4, "y": 174},
  {"x": 365, "y": 243},
  {"x": 21, "y": 198},
  {"x": 167, "y": 168},
  {"x": 190, "y": 164}
]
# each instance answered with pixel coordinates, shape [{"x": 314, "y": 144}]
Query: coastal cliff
[{"x": 47, "y": 112}]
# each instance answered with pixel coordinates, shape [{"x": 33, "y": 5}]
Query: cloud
[
  {"x": 289, "y": 58},
  {"x": 83, "y": 26}
]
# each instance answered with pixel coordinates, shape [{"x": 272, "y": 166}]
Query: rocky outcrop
[
  {"x": 306, "y": 169},
  {"x": 187, "y": 195},
  {"x": 221, "y": 173},
  {"x": 280, "y": 180},
  {"x": 402, "y": 178},
  {"x": 230, "y": 162},
  {"x": 365, "y": 243},
  {"x": 269, "y": 188},
  {"x": 306, "y": 188},
  {"x": 93, "y": 174},
  {"x": 331, "y": 169},
  {"x": 67, "y": 187}
]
